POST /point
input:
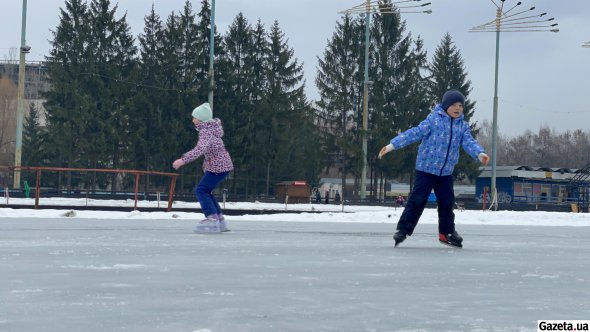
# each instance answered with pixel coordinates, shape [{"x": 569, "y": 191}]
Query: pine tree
[
  {"x": 67, "y": 102},
  {"x": 257, "y": 61},
  {"x": 32, "y": 154},
  {"x": 399, "y": 95},
  {"x": 238, "y": 85},
  {"x": 339, "y": 81},
  {"x": 112, "y": 67},
  {"x": 149, "y": 151},
  {"x": 286, "y": 99},
  {"x": 448, "y": 72},
  {"x": 176, "y": 102}
]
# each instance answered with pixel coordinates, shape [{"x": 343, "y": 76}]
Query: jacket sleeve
[
  {"x": 413, "y": 134},
  {"x": 196, "y": 152},
  {"x": 470, "y": 145}
]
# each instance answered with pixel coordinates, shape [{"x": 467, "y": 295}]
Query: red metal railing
[{"x": 137, "y": 174}]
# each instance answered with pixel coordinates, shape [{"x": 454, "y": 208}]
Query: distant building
[
  {"x": 36, "y": 83},
  {"x": 525, "y": 184}
]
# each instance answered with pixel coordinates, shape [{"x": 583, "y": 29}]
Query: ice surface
[{"x": 272, "y": 274}]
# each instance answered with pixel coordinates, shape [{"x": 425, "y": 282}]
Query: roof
[{"x": 524, "y": 171}]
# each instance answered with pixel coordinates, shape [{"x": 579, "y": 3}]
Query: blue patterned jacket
[{"x": 441, "y": 138}]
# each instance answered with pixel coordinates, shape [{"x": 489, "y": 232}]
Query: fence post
[
  {"x": 136, "y": 188},
  {"x": 171, "y": 193},
  {"x": 37, "y": 188}
]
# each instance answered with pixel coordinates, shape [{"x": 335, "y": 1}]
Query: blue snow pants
[{"x": 204, "y": 192}]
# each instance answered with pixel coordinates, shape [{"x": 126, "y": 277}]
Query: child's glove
[
  {"x": 178, "y": 163},
  {"x": 484, "y": 159},
  {"x": 385, "y": 149}
]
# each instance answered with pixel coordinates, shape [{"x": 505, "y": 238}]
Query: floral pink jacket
[{"x": 210, "y": 144}]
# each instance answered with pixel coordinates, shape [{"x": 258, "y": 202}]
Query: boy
[{"x": 441, "y": 133}]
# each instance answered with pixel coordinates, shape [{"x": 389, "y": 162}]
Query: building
[
  {"x": 525, "y": 184},
  {"x": 36, "y": 83}
]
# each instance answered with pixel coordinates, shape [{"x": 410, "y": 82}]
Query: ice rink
[{"x": 65, "y": 274}]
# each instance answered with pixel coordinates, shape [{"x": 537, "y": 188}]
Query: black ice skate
[
  {"x": 399, "y": 237},
  {"x": 451, "y": 240}
]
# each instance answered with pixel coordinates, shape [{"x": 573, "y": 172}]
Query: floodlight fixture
[
  {"x": 365, "y": 10},
  {"x": 505, "y": 21}
]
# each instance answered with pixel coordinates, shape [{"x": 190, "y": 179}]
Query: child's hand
[
  {"x": 484, "y": 159},
  {"x": 178, "y": 163},
  {"x": 385, "y": 149}
]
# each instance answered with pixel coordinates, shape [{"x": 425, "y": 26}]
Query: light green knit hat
[{"x": 203, "y": 112}]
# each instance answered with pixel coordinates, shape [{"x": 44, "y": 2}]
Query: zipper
[{"x": 448, "y": 149}]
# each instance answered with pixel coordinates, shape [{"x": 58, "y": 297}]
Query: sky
[
  {"x": 309, "y": 213},
  {"x": 544, "y": 77}
]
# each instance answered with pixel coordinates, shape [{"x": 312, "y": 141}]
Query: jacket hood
[{"x": 212, "y": 127}]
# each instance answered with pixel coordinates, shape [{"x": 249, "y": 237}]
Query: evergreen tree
[
  {"x": 67, "y": 102},
  {"x": 286, "y": 99},
  {"x": 448, "y": 72},
  {"x": 237, "y": 107},
  {"x": 32, "y": 139},
  {"x": 176, "y": 101},
  {"x": 257, "y": 147},
  {"x": 147, "y": 122},
  {"x": 112, "y": 67},
  {"x": 339, "y": 82},
  {"x": 32, "y": 149},
  {"x": 399, "y": 95}
]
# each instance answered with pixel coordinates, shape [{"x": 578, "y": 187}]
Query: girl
[{"x": 217, "y": 166}]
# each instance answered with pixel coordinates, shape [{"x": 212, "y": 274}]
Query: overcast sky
[{"x": 544, "y": 77}]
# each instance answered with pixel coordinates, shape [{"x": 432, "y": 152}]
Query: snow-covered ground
[
  {"x": 315, "y": 213},
  {"x": 71, "y": 270}
]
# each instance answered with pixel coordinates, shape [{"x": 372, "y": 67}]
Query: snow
[
  {"x": 309, "y": 271},
  {"x": 309, "y": 213}
]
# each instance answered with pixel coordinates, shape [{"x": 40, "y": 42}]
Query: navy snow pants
[{"x": 445, "y": 199}]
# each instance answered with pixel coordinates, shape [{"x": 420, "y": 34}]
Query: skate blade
[
  {"x": 207, "y": 230},
  {"x": 450, "y": 245}
]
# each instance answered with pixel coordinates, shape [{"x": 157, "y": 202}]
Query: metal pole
[
  {"x": 20, "y": 99},
  {"x": 365, "y": 102},
  {"x": 495, "y": 114},
  {"x": 212, "y": 54}
]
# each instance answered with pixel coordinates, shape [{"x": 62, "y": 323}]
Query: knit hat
[
  {"x": 203, "y": 112},
  {"x": 450, "y": 97}
]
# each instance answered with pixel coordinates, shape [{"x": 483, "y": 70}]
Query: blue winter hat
[
  {"x": 450, "y": 97},
  {"x": 203, "y": 112}
]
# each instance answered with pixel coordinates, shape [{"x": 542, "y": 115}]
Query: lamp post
[
  {"x": 505, "y": 21},
  {"x": 212, "y": 55},
  {"x": 366, "y": 9},
  {"x": 20, "y": 113},
  {"x": 586, "y": 44}
]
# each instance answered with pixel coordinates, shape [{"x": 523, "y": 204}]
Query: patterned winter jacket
[
  {"x": 210, "y": 144},
  {"x": 441, "y": 138}
]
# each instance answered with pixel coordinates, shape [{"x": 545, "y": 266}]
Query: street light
[
  {"x": 586, "y": 44},
  {"x": 366, "y": 9},
  {"x": 505, "y": 21},
  {"x": 20, "y": 105}
]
